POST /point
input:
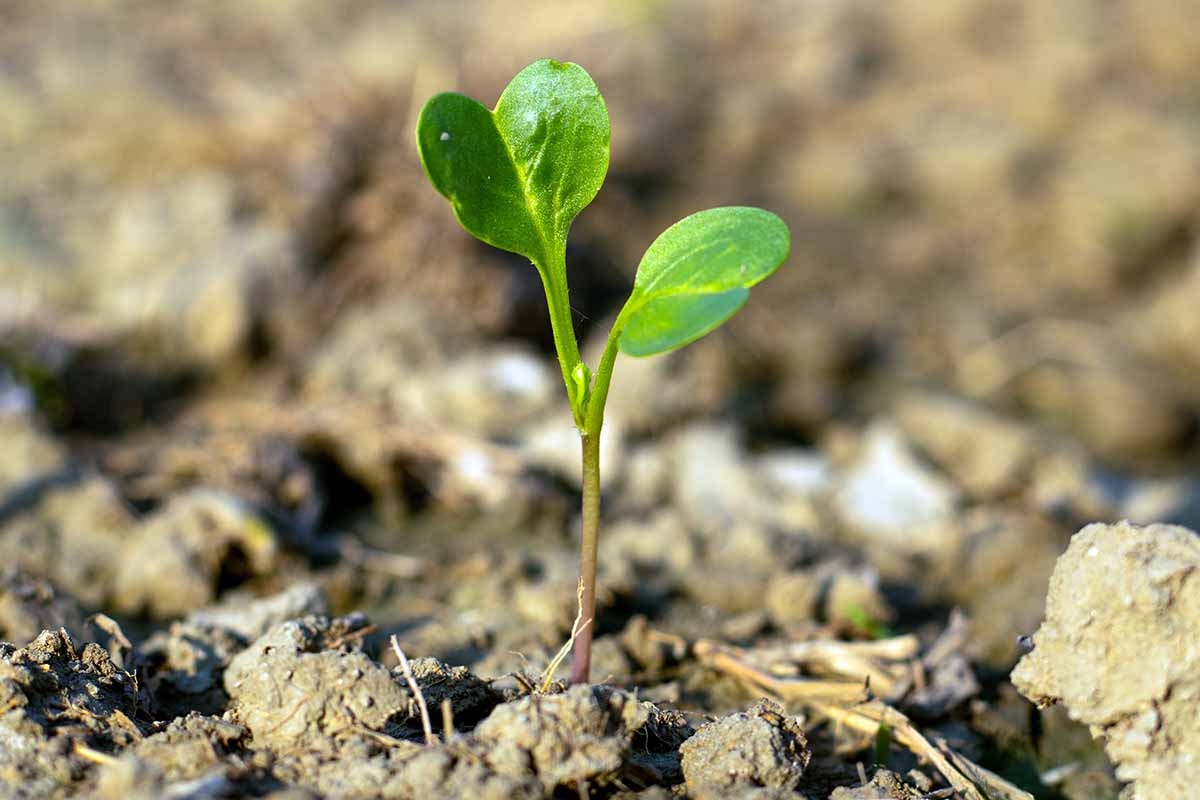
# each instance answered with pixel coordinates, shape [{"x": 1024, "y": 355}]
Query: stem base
[{"x": 581, "y": 655}]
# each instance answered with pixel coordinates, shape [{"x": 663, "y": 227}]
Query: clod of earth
[
  {"x": 182, "y": 548},
  {"x": 191, "y": 746},
  {"x": 582, "y": 737},
  {"x": 884, "y": 785},
  {"x": 445, "y": 772},
  {"x": 29, "y": 605},
  {"x": 470, "y": 697},
  {"x": 293, "y": 692},
  {"x": 184, "y": 667},
  {"x": 761, "y": 747},
  {"x": 1118, "y": 649},
  {"x": 251, "y": 617},
  {"x": 50, "y": 694}
]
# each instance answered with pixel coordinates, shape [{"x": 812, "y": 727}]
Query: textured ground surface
[{"x": 263, "y": 405}]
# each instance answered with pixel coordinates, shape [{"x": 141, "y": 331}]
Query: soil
[
  {"x": 264, "y": 406},
  {"x": 763, "y": 747},
  {"x": 1118, "y": 650}
]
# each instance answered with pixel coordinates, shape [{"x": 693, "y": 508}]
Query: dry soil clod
[
  {"x": 761, "y": 747},
  {"x": 1119, "y": 649}
]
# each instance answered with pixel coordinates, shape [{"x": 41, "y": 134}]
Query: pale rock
[
  {"x": 492, "y": 390},
  {"x": 890, "y": 498},
  {"x": 553, "y": 443},
  {"x": 647, "y": 476},
  {"x": 712, "y": 481},
  {"x": 794, "y": 471},
  {"x": 987, "y": 454}
]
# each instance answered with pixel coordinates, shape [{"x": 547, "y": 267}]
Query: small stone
[
  {"x": 987, "y": 454},
  {"x": 795, "y": 471},
  {"x": 713, "y": 484},
  {"x": 553, "y": 444},
  {"x": 889, "y": 497}
]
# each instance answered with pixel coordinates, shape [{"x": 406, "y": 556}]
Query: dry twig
[
  {"x": 430, "y": 739},
  {"x": 848, "y": 705},
  {"x": 95, "y": 756},
  {"x": 882, "y": 663},
  {"x": 732, "y": 661}
]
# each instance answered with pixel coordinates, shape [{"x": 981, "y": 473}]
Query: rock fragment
[{"x": 889, "y": 497}]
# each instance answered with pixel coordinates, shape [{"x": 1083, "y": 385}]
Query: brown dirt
[{"x": 264, "y": 405}]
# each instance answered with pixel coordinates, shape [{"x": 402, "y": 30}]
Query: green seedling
[
  {"x": 883, "y": 744},
  {"x": 517, "y": 176}
]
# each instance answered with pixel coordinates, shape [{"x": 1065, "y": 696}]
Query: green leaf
[
  {"x": 883, "y": 744},
  {"x": 519, "y": 175},
  {"x": 468, "y": 162},
  {"x": 670, "y": 322},
  {"x": 698, "y": 274}
]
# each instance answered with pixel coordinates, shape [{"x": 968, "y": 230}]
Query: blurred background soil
[{"x": 244, "y": 344}]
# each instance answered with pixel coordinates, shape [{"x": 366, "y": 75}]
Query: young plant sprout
[{"x": 517, "y": 176}]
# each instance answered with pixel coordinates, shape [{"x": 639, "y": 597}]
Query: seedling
[{"x": 517, "y": 176}]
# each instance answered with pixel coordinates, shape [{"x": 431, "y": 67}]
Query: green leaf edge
[
  {"x": 542, "y": 259},
  {"x": 424, "y": 122},
  {"x": 638, "y": 301},
  {"x": 629, "y": 347}
]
